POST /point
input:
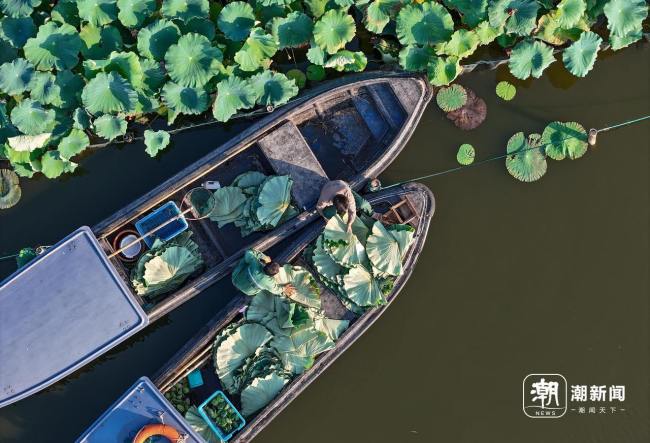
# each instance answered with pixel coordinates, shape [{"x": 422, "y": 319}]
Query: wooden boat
[
  {"x": 349, "y": 129},
  {"x": 410, "y": 203}
]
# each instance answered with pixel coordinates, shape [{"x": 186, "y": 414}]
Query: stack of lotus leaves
[{"x": 254, "y": 202}]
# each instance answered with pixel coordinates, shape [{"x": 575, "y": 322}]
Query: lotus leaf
[
  {"x": 298, "y": 77},
  {"x": 317, "y": 8},
  {"x": 231, "y": 353},
  {"x": 258, "y": 48},
  {"x": 18, "y": 8},
  {"x": 348, "y": 61},
  {"x": 362, "y": 288},
  {"x": 579, "y": 58},
  {"x": 273, "y": 199},
  {"x": 65, "y": 11},
  {"x": 233, "y": 94},
  {"x": 620, "y": 42},
  {"x": 518, "y": 16},
  {"x": 293, "y": 30},
  {"x": 109, "y": 93},
  {"x": 17, "y": 30},
  {"x": 185, "y": 10},
  {"x": 471, "y": 115},
  {"x": 31, "y": 118},
  {"x": 236, "y": 20},
  {"x": 199, "y": 25},
  {"x": 299, "y": 349},
  {"x": 315, "y": 73},
  {"x": 81, "y": 119},
  {"x": 155, "y": 141},
  {"x": 168, "y": 265},
  {"x": 97, "y": 12},
  {"x": 451, "y": 98},
  {"x": 7, "y": 52},
  {"x": 98, "y": 43},
  {"x": 260, "y": 392},
  {"x": 486, "y": 33},
  {"x": 70, "y": 86},
  {"x": 333, "y": 30},
  {"x": 530, "y": 58},
  {"x": 570, "y": 12},
  {"x": 383, "y": 250},
  {"x": 404, "y": 235},
  {"x": 229, "y": 205},
  {"x": 324, "y": 263},
  {"x": 472, "y": 11},
  {"x": 54, "y": 46},
  {"x": 273, "y": 88},
  {"x": 16, "y": 76},
  {"x": 156, "y": 38},
  {"x": 307, "y": 292},
  {"x": 10, "y": 191},
  {"x": 442, "y": 71},
  {"x": 331, "y": 327},
  {"x": 110, "y": 126},
  {"x": 379, "y": 13},
  {"x": 415, "y": 58},
  {"x": 562, "y": 140},
  {"x": 526, "y": 161},
  {"x": 424, "y": 24},
  {"x": 193, "y": 61},
  {"x": 28, "y": 143},
  {"x": 344, "y": 247},
  {"x": 127, "y": 64},
  {"x": 625, "y": 16},
  {"x": 462, "y": 44},
  {"x": 133, "y": 13},
  {"x": 53, "y": 165},
  {"x": 272, "y": 311},
  {"x": 316, "y": 55},
  {"x": 506, "y": 90},
  {"x": 200, "y": 426},
  {"x": 44, "y": 89},
  {"x": 72, "y": 144},
  {"x": 466, "y": 154}
]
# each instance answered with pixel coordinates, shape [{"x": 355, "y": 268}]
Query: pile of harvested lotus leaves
[
  {"x": 166, "y": 266},
  {"x": 277, "y": 340},
  {"x": 360, "y": 266},
  {"x": 254, "y": 202}
]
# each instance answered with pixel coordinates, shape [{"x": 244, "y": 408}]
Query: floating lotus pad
[
  {"x": 97, "y": 12},
  {"x": 156, "y": 38},
  {"x": 442, "y": 71},
  {"x": 530, "y": 57},
  {"x": 462, "y": 44},
  {"x": 185, "y": 10},
  {"x": 506, "y": 90},
  {"x": 257, "y": 50},
  {"x": 18, "y": 8},
  {"x": 625, "y": 16},
  {"x": 471, "y": 115},
  {"x": 155, "y": 141},
  {"x": 273, "y": 88},
  {"x": 109, "y": 93},
  {"x": 235, "y": 20},
  {"x": 133, "y": 13},
  {"x": 451, "y": 98},
  {"x": 98, "y": 43},
  {"x": 347, "y": 61},
  {"x": 526, "y": 162},
  {"x": 424, "y": 24},
  {"x": 293, "y": 30},
  {"x": 579, "y": 58},
  {"x": 466, "y": 154},
  {"x": 334, "y": 29},
  {"x": 15, "y": 76},
  {"x": 379, "y": 13},
  {"x": 31, "y": 118},
  {"x": 569, "y": 12},
  {"x": 10, "y": 191},
  {"x": 473, "y": 12},
  {"x": 72, "y": 144},
  {"x": 518, "y": 16},
  {"x": 53, "y": 165},
  {"x": 110, "y": 126},
  {"x": 415, "y": 58},
  {"x": 562, "y": 140},
  {"x": 233, "y": 94},
  {"x": 193, "y": 61},
  {"x": 17, "y": 30}
]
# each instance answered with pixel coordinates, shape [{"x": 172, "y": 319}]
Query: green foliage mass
[{"x": 97, "y": 65}]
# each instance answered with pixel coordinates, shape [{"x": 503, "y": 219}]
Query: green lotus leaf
[
  {"x": 297, "y": 76},
  {"x": 146, "y": 104},
  {"x": 81, "y": 119},
  {"x": 53, "y": 165},
  {"x": 333, "y": 30},
  {"x": 133, "y": 13},
  {"x": 472, "y": 11},
  {"x": 70, "y": 85},
  {"x": 579, "y": 58},
  {"x": 199, "y": 25},
  {"x": 325, "y": 265},
  {"x": 442, "y": 71},
  {"x": 316, "y": 8},
  {"x": 550, "y": 30},
  {"x": 126, "y": 64},
  {"x": 72, "y": 144},
  {"x": 173, "y": 262},
  {"x": 28, "y": 143},
  {"x": 624, "y": 16},
  {"x": 258, "y": 48},
  {"x": 348, "y": 61},
  {"x": 184, "y": 100},
  {"x": 185, "y": 10},
  {"x": 315, "y": 73},
  {"x": 316, "y": 55},
  {"x": 54, "y": 46},
  {"x": 379, "y": 13},
  {"x": 156, "y": 38},
  {"x": 31, "y": 118},
  {"x": 362, "y": 288},
  {"x": 200, "y": 426},
  {"x": 110, "y": 126},
  {"x": 451, "y": 98},
  {"x": 530, "y": 58},
  {"x": 506, "y": 90},
  {"x": 518, "y": 16},
  {"x": 424, "y": 24},
  {"x": 415, "y": 58},
  {"x": 109, "y": 93},
  {"x": 7, "y": 52},
  {"x": 299, "y": 348},
  {"x": 620, "y": 42},
  {"x": 236, "y": 20},
  {"x": 193, "y": 61},
  {"x": 383, "y": 251},
  {"x": 44, "y": 89},
  {"x": 462, "y": 44},
  {"x": 274, "y": 197},
  {"x": 526, "y": 161},
  {"x": 486, "y": 33},
  {"x": 465, "y": 155},
  {"x": 153, "y": 77},
  {"x": 260, "y": 392},
  {"x": 10, "y": 191},
  {"x": 98, "y": 43},
  {"x": 229, "y": 205},
  {"x": 233, "y": 94},
  {"x": 273, "y": 88},
  {"x": 17, "y": 30},
  {"x": 65, "y": 11},
  {"x": 344, "y": 247},
  {"x": 307, "y": 292},
  {"x": 293, "y": 30},
  {"x": 16, "y": 76},
  {"x": 18, "y": 8},
  {"x": 562, "y": 140},
  {"x": 570, "y": 12},
  {"x": 155, "y": 141},
  {"x": 97, "y": 12}
]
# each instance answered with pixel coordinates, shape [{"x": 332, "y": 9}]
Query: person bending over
[{"x": 338, "y": 193}]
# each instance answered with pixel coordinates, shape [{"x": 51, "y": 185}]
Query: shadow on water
[{"x": 515, "y": 279}]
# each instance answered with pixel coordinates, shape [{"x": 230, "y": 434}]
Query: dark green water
[{"x": 550, "y": 277}]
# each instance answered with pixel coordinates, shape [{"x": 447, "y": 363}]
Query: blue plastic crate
[
  {"x": 213, "y": 425},
  {"x": 158, "y": 217}
]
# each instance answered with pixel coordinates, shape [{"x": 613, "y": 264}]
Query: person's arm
[
  {"x": 253, "y": 256},
  {"x": 319, "y": 207},
  {"x": 352, "y": 208}
]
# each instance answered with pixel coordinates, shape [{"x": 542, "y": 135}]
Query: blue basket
[
  {"x": 213, "y": 425},
  {"x": 158, "y": 217}
]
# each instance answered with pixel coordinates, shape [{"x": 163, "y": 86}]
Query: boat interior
[
  {"x": 336, "y": 137},
  {"x": 405, "y": 208}
]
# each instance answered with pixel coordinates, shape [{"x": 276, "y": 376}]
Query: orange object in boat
[{"x": 158, "y": 429}]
